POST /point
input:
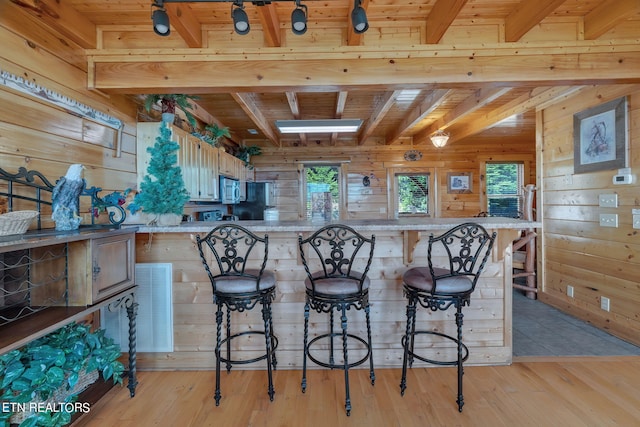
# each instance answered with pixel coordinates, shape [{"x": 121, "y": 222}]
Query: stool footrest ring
[
  {"x": 243, "y": 361},
  {"x": 436, "y": 362},
  {"x": 338, "y": 365}
]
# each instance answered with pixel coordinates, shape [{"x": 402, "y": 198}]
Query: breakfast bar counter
[{"x": 400, "y": 244}]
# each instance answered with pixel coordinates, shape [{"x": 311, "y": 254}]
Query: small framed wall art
[
  {"x": 459, "y": 182},
  {"x": 600, "y": 137}
]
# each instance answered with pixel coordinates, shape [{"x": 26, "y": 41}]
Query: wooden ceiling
[{"x": 482, "y": 67}]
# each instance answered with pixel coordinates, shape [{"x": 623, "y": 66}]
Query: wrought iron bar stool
[
  {"x": 239, "y": 288},
  {"x": 466, "y": 248},
  {"x": 329, "y": 256}
]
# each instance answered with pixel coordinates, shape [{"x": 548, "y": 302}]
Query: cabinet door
[
  {"x": 227, "y": 165},
  {"x": 208, "y": 172},
  {"x": 112, "y": 265},
  {"x": 188, "y": 161}
]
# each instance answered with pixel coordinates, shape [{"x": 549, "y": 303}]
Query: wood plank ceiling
[{"x": 248, "y": 82}]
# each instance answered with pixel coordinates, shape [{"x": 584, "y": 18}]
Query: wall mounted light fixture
[
  {"x": 440, "y": 138},
  {"x": 299, "y": 16}
]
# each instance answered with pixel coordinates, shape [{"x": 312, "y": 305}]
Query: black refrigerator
[{"x": 260, "y": 196}]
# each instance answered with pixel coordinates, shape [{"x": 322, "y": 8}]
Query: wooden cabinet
[
  {"x": 69, "y": 276},
  {"x": 198, "y": 160},
  {"x": 100, "y": 268},
  {"x": 228, "y": 165}
]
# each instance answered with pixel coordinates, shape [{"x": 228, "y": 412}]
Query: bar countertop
[{"x": 413, "y": 224}]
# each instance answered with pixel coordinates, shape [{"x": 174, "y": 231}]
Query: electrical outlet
[
  {"x": 570, "y": 291},
  {"x": 605, "y": 304},
  {"x": 636, "y": 221},
  {"x": 608, "y": 200},
  {"x": 609, "y": 220}
]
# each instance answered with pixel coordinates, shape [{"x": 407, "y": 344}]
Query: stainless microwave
[{"x": 229, "y": 191}]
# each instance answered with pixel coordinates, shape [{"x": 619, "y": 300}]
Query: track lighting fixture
[
  {"x": 359, "y": 18},
  {"x": 160, "y": 19},
  {"x": 240, "y": 18},
  {"x": 299, "y": 16},
  {"x": 299, "y": 19}
]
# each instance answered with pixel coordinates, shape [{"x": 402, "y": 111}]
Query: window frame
[
  {"x": 341, "y": 168},
  {"x": 392, "y": 178},
  {"x": 522, "y": 173}
]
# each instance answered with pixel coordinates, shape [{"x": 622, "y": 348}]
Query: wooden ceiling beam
[
  {"x": 184, "y": 21},
  {"x": 529, "y": 65},
  {"x": 341, "y": 102},
  {"x": 440, "y": 18},
  {"x": 382, "y": 108},
  {"x": 432, "y": 101},
  {"x": 63, "y": 18},
  {"x": 270, "y": 24},
  {"x": 520, "y": 105},
  {"x": 607, "y": 15},
  {"x": 249, "y": 106},
  {"x": 294, "y": 106},
  {"x": 481, "y": 98},
  {"x": 527, "y": 15}
]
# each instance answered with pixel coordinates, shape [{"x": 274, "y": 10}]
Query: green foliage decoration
[
  {"x": 162, "y": 190},
  {"x": 169, "y": 102},
  {"x": 37, "y": 370},
  {"x": 245, "y": 151}
]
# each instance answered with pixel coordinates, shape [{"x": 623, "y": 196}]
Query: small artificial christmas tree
[{"x": 162, "y": 190}]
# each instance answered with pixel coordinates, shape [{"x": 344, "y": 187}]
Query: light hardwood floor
[{"x": 540, "y": 392}]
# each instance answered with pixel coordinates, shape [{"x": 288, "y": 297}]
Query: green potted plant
[
  {"x": 41, "y": 380},
  {"x": 215, "y": 133},
  {"x": 245, "y": 152},
  {"x": 212, "y": 134},
  {"x": 162, "y": 192},
  {"x": 169, "y": 103}
]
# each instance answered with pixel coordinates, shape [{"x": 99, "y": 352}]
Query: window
[
  {"x": 504, "y": 189},
  {"x": 322, "y": 186},
  {"x": 412, "y": 190}
]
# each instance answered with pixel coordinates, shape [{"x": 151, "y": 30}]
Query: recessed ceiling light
[
  {"x": 318, "y": 126},
  {"x": 252, "y": 131}
]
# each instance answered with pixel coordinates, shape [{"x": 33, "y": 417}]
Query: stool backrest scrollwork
[
  {"x": 467, "y": 247},
  {"x": 333, "y": 251}
]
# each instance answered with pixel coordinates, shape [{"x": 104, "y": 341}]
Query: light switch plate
[
  {"x": 636, "y": 221},
  {"x": 608, "y": 200},
  {"x": 608, "y": 220}
]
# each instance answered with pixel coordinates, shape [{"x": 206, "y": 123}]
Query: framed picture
[
  {"x": 459, "y": 182},
  {"x": 600, "y": 137}
]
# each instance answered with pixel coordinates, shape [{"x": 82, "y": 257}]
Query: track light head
[
  {"x": 299, "y": 19},
  {"x": 359, "y": 18},
  {"x": 240, "y": 19},
  {"x": 160, "y": 19}
]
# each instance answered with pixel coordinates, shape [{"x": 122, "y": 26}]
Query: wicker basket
[{"x": 16, "y": 222}]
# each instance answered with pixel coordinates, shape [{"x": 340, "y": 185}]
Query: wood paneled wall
[
  {"x": 40, "y": 136},
  {"x": 380, "y": 162},
  {"x": 597, "y": 261}
]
